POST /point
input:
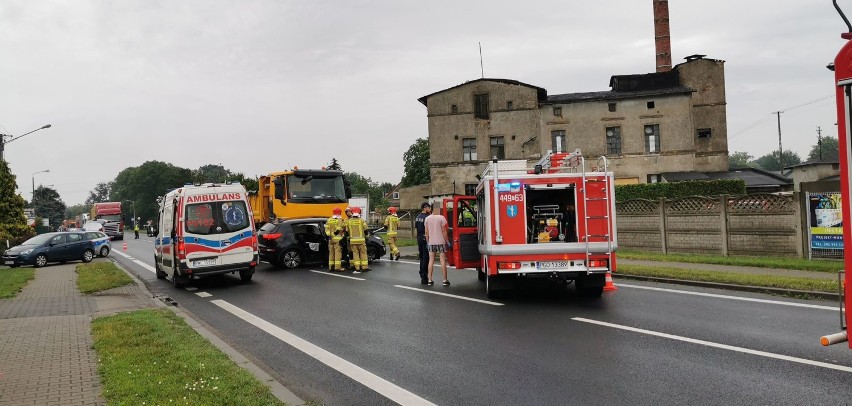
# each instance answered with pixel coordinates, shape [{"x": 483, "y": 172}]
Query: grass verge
[
  {"x": 99, "y": 276},
  {"x": 768, "y": 281},
  {"x": 12, "y": 280},
  {"x": 760, "y": 262},
  {"x": 153, "y": 357}
]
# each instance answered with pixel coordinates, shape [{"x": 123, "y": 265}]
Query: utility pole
[
  {"x": 819, "y": 142},
  {"x": 780, "y": 149}
]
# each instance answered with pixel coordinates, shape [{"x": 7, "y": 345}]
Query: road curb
[
  {"x": 276, "y": 388},
  {"x": 727, "y": 286}
]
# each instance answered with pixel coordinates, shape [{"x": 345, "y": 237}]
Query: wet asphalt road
[{"x": 539, "y": 346}]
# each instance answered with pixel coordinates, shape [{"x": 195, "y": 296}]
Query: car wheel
[
  {"x": 371, "y": 254},
  {"x": 157, "y": 271},
  {"x": 88, "y": 255},
  {"x": 246, "y": 274},
  {"x": 40, "y": 260},
  {"x": 104, "y": 251},
  {"x": 290, "y": 259}
]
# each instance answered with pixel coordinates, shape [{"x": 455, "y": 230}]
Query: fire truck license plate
[
  {"x": 553, "y": 264},
  {"x": 204, "y": 262}
]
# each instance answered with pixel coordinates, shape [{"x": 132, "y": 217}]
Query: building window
[
  {"x": 470, "y": 189},
  {"x": 611, "y": 106},
  {"x": 557, "y": 111},
  {"x": 480, "y": 106},
  {"x": 498, "y": 149},
  {"x": 650, "y": 105},
  {"x": 652, "y": 138},
  {"x": 613, "y": 140},
  {"x": 509, "y": 105},
  {"x": 454, "y": 108},
  {"x": 655, "y": 178},
  {"x": 704, "y": 133},
  {"x": 395, "y": 196},
  {"x": 468, "y": 149},
  {"x": 558, "y": 141}
]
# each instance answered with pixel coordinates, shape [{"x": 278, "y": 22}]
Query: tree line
[{"x": 827, "y": 148}]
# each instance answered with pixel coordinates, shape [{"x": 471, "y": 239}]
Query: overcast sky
[{"x": 259, "y": 86}]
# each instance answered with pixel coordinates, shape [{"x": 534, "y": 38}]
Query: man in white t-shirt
[{"x": 436, "y": 238}]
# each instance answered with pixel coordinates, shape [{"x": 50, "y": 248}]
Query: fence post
[
  {"x": 663, "y": 239},
  {"x": 723, "y": 218},
  {"x": 801, "y": 205}
]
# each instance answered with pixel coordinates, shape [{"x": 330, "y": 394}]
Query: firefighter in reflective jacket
[
  {"x": 357, "y": 242},
  {"x": 392, "y": 224},
  {"x": 334, "y": 229}
]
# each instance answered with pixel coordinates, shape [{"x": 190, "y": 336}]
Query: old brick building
[{"x": 646, "y": 125}]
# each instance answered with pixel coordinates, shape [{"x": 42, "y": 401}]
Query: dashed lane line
[
  {"x": 203, "y": 294},
  {"x": 718, "y": 296},
  {"x": 717, "y": 345},
  {"x": 136, "y": 261},
  {"x": 356, "y": 373},
  {"x": 452, "y": 296},
  {"x": 337, "y": 275}
]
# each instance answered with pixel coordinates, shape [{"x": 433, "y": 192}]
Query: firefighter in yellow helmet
[
  {"x": 392, "y": 225},
  {"x": 357, "y": 242},
  {"x": 334, "y": 229}
]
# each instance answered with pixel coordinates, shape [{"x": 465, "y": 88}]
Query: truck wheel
[
  {"x": 246, "y": 274},
  {"x": 480, "y": 274},
  {"x": 588, "y": 291},
  {"x": 490, "y": 285},
  {"x": 159, "y": 272}
]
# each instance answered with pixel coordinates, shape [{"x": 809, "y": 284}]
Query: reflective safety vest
[
  {"x": 334, "y": 229},
  {"x": 356, "y": 227},
  {"x": 392, "y": 224}
]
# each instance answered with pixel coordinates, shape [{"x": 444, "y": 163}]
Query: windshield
[
  {"x": 38, "y": 240},
  {"x": 110, "y": 217},
  {"x": 317, "y": 189},
  {"x": 216, "y": 217}
]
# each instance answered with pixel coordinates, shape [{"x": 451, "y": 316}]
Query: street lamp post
[
  {"x": 34, "y": 174},
  {"x": 133, "y": 202},
  {"x": 3, "y": 140}
]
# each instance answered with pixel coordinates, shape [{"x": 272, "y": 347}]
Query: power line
[{"x": 805, "y": 104}]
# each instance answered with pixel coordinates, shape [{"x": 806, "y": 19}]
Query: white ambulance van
[{"x": 205, "y": 230}]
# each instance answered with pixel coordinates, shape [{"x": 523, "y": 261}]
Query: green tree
[
  {"x": 76, "y": 210},
  {"x": 211, "y": 174},
  {"x": 143, "y": 184},
  {"x": 49, "y": 205},
  {"x": 416, "y": 164},
  {"x": 249, "y": 183},
  {"x": 739, "y": 160},
  {"x": 769, "y": 162},
  {"x": 13, "y": 223},
  {"x": 100, "y": 193},
  {"x": 334, "y": 165},
  {"x": 826, "y": 149},
  {"x": 365, "y": 186}
]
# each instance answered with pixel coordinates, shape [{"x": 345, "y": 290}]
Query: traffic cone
[
  {"x": 125, "y": 246},
  {"x": 609, "y": 286}
]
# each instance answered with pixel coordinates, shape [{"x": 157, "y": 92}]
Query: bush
[
  {"x": 655, "y": 191},
  {"x": 15, "y": 234}
]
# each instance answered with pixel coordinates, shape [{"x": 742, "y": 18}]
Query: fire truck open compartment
[{"x": 548, "y": 219}]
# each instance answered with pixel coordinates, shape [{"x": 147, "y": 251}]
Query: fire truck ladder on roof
[{"x": 605, "y": 199}]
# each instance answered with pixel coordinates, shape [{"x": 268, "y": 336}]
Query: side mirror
[{"x": 279, "y": 188}]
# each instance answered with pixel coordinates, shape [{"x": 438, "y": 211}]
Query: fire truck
[
  {"x": 552, "y": 220},
  {"x": 842, "y": 68}
]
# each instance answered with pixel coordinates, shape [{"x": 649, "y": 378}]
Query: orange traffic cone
[
  {"x": 125, "y": 246},
  {"x": 609, "y": 286}
]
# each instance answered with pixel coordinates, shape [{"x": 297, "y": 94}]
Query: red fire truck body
[{"x": 554, "y": 220}]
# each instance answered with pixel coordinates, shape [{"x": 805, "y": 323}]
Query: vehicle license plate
[
  {"x": 553, "y": 264},
  {"x": 9, "y": 262},
  {"x": 204, "y": 262}
]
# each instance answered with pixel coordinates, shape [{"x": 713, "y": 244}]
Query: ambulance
[
  {"x": 553, "y": 220},
  {"x": 205, "y": 230}
]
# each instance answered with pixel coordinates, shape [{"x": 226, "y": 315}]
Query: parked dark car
[
  {"x": 295, "y": 242},
  {"x": 50, "y": 247}
]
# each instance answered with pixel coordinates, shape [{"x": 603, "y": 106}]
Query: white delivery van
[{"x": 205, "y": 230}]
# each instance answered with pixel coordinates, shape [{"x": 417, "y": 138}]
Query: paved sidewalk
[{"x": 46, "y": 355}]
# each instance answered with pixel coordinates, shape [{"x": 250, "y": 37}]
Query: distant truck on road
[{"x": 110, "y": 213}]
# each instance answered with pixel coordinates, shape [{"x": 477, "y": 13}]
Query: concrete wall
[
  {"x": 813, "y": 173},
  {"x": 754, "y": 225}
]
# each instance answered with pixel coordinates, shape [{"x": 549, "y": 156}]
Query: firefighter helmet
[
  {"x": 356, "y": 211},
  {"x": 336, "y": 211},
  {"x": 392, "y": 210}
]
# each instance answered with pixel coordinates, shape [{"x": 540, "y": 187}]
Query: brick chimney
[{"x": 662, "y": 40}]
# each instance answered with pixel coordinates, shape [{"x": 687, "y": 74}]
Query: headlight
[{"x": 27, "y": 251}]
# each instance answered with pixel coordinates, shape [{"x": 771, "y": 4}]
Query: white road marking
[
  {"x": 337, "y": 275},
  {"x": 744, "y": 299},
  {"x": 203, "y": 294},
  {"x": 191, "y": 288},
  {"x": 449, "y": 295},
  {"x": 121, "y": 253},
  {"x": 358, "y": 374},
  {"x": 718, "y": 345},
  {"x": 135, "y": 261}
]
